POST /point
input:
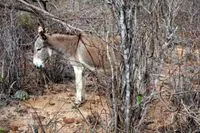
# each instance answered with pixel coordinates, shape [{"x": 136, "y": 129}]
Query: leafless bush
[{"x": 12, "y": 57}]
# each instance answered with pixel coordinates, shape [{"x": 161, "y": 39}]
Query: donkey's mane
[
  {"x": 62, "y": 37},
  {"x": 65, "y": 32}
]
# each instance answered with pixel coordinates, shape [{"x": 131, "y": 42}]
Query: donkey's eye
[{"x": 38, "y": 49}]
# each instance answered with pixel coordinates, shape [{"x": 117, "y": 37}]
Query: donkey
[{"x": 82, "y": 51}]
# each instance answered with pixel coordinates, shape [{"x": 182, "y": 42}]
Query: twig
[
  {"x": 190, "y": 113},
  {"x": 15, "y": 7},
  {"x": 38, "y": 119},
  {"x": 75, "y": 107}
]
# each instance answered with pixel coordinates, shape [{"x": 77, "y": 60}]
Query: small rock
[
  {"x": 21, "y": 95},
  {"x": 68, "y": 120},
  {"x": 71, "y": 94},
  {"x": 52, "y": 103}
]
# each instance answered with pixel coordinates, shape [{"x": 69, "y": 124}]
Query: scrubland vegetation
[{"x": 155, "y": 89}]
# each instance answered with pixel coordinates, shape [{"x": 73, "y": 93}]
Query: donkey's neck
[{"x": 65, "y": 44}]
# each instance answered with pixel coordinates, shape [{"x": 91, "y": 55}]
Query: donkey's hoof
[{"x": 78, "y": 104}]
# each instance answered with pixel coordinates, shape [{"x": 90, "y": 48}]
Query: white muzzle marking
[
  {"x": 50, "y": 51},
  {"x": 38, "y": 62}
]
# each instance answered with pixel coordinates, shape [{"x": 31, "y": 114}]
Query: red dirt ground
[{"x": 54, "y": 110}]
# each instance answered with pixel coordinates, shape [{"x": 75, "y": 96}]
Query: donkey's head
[{"x": 41, "y": 50}]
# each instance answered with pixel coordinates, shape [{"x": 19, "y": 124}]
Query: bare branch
[
  {"x": 50, "y": 16},
  {"x": 42, "y": 4}
]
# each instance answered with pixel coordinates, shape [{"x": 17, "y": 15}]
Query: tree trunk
[{"x": 124, "y": 11}]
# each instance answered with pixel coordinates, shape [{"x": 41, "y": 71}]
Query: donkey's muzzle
[{"x": 38, "y": 63}]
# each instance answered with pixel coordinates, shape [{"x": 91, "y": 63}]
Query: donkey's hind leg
[{"x": 79, "y": 81}]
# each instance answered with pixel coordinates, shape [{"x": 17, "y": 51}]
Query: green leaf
[
  {"x": 139, "y": 99},
  {"x": 1, "y": 130}
]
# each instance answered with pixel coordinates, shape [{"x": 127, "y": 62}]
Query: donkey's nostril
[{"x": 38, "y": 67}]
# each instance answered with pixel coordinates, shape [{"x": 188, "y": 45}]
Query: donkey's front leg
[{"x": 80, "y": 88}]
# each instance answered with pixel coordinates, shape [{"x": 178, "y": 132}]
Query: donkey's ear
[{"x": 41, "y": 32}]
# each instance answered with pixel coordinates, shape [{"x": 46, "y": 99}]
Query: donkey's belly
[
  {"x": 92, "y": 58},
  {"x": 86, "y": 62}
]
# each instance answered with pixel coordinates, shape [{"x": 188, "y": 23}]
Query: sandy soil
[{"x": 56, "y": 113}]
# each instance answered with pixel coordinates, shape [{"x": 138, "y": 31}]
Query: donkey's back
[{"x": 93, "y": 52}]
